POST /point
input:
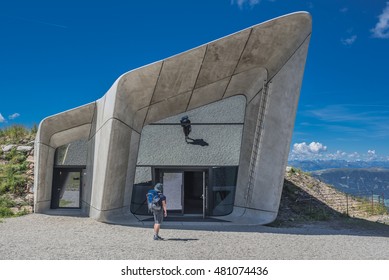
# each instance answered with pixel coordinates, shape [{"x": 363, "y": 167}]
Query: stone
[
  {"x": 7, "y": 148},
  {"x": 24, "y": 148}
]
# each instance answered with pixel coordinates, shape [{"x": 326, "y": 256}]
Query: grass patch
[
  {"x": 6, "y": 212},
  {"x": 13, "y": 176},
  {"x": 64, "y": 203},
  {"x": 6, "y": 203},
  {"x": 372, "y": 208},
  {"x": 15, "y": 133}
]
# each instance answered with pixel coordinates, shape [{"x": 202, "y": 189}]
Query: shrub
[
  {"x": 13, "y": 179},
  {"x": 6, "y": 201},
  {"x": 21, "y": 213},
  {"x": 16, "y": 134},
  {"x": 5, "y": 212},
  {"x": 15, "y": 156},
  {"x": 34, "y": 130}
]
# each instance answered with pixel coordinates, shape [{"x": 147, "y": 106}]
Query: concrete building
[{"x": 240, "y": 93}]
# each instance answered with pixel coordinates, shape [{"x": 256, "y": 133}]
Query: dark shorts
[{"x": 158, "y": 217}]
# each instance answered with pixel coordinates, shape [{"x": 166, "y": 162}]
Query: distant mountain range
[
  {"x": 357, "y": 181},
  {"x": 362, "y": 178},
  {"x": 314, "y": 165}
]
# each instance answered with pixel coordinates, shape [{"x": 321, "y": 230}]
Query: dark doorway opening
[
  {"x": 185, "y": 189},
  {"x": 193, "y": 192}
]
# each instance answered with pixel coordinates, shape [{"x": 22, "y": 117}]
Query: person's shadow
[
  {"x": 199, "y": 142},
  {"x": 181, "y": 239}
]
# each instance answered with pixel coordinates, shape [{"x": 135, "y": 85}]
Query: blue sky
[{"x": 57, "y": 55}]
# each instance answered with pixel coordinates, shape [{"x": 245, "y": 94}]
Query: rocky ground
[
  {"x": 23, "y": 200},
  {"x": 305, "y": 199},
  {"x": 38, "y": 236}
]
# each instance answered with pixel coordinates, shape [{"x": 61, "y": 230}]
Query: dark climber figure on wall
[{"x": 186, "y": 126}]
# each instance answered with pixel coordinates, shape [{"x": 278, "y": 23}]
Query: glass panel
[
  {"x": 222, "y": 190},
  {"x": 142, "y": 184},
  {"x": 70, "y": 190},
  {"x": 172, "y": 189},
  {"x": 72, "y": 154}
]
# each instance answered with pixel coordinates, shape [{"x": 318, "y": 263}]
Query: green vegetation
[
  {"x": 13, "y": 168},
  {"x": 294, "y": 170},
  {"x": 7, "y": 202},
  {"x": 17, "y": 134},
  {"x": 371, "y": 207},
  {"x": 64, "y": 203},
  {"x": 12, "y": 174}
]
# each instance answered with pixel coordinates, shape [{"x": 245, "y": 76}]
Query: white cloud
[
  {"x": 337, "y": 155},
  {"x": 354, "y": 156},
  {"x": 303, "y": 149},
  {"x": 242, "y": 3},
  {"x": 317, "y": 151},
  {"x": 381, "y": 30},
  {"x": 13, "y": 116},
  {"x": 2, "y": 120},
  {"x": 349, "y": 41},
  {"x": 371, "y": 152},
  {"x": 371, "y": 155}
]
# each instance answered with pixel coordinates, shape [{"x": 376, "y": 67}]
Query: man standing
[{"x": 159, "y": 214}]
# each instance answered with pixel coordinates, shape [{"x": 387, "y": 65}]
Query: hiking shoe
[
  {"x": 155, "y": 237},
  {"x": 159, "y": 237}
]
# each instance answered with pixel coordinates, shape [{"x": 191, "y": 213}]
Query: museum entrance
[
  {"x": 66, "y": 188},
  {"x": 185, "y": 189}
]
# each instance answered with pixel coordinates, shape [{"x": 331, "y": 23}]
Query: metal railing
[{"x": 361, "y": 204}]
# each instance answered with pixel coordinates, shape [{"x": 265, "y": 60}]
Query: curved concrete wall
[{"x": 265, "y": 63}]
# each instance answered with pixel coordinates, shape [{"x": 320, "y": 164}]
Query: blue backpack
[{"x": 153, "y": 201}]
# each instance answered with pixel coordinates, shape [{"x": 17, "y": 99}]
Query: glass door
[
  {"x": 172, "y": 189},
  {"x": 66, "y": 190}
]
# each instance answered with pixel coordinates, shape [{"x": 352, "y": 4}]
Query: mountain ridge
[{"x": 315, "y": 165}]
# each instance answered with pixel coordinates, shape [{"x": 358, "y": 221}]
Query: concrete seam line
[
  {"x": 44, "y": 144},
  {"x": 290, "y": 57},
  {"x": 113, "y": 118},
  {"x": 237, "y": 63},
  {"x": 125, "y": 124},
  {"x": 101, "y": 210},
  {"x": 93, "y": 117},
  {"x": 152, "y": 95},
  {"x": 268, "y": 211},
  {"x": 198, "y": 74},
  {"x": 59, "y": 131},
  {"x": 41, "y": 201}
]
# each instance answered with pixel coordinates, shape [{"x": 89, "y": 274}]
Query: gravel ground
[{"x": 38, "y": 236}]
